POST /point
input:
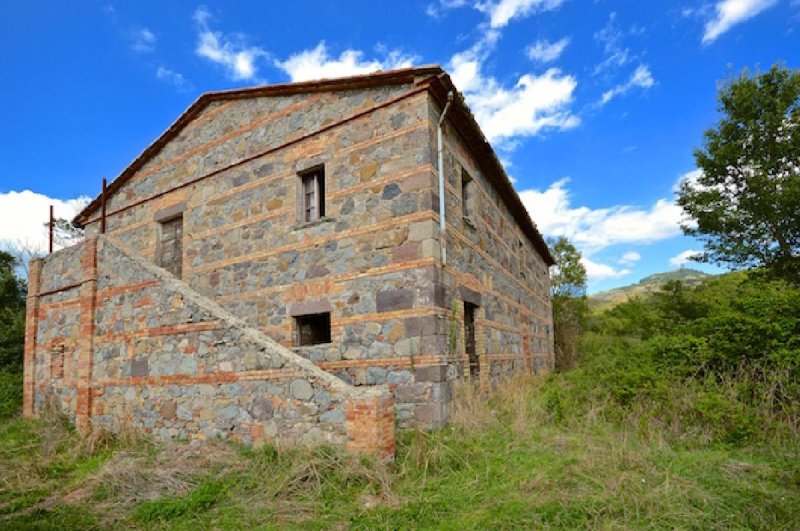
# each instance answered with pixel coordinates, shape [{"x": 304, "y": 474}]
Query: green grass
[{"x": 506, "y": 462}]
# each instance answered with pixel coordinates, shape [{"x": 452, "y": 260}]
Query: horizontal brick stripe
[
  {"x": 400, "y": 176},
  {"x": 486, "y": 199},
  {"x": 256, "y": 183},
  {"x": 451, "y": 231},
  {"x": 399, "y": 361},
  {"x": 158, "y": 331},
  {"x": 228, "y": 136},
  {"x": 112, "y": 292},
  {"x": 398, "y": 314},
  {"x": 316, "y": 286},
  {"x": 290, "y": 211},
  {"x": 59, "y": 290},
  {"x": 250, "y": 220},
  {"x": 360, "y": 114},
  {"x": 499, "y": 326},
  {"x": 309, "y": 243},
  {"x": 45, "y": 306},
  {"x": 218, "y": 377}
]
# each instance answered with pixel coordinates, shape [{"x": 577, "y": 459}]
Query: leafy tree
[
  {"x": 745, "y": 205},
  {"x": 568, "y": 277},
  {"x": 12, "y": 314},
  {"x": 568, "y": 287}
]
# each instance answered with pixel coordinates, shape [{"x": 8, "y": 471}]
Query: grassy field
[{"x": 511, "y": 459}]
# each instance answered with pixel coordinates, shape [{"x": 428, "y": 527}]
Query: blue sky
[{"x": 594, "y": 106}]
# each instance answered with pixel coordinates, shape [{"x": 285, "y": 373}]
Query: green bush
[
  {"x": 10, "y": 393},
  {"x": 717, "y": 363}
]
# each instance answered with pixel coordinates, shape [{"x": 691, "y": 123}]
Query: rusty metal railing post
[
  {"x": 50, "y": 227},
  {"x": 103, "y": 209}
]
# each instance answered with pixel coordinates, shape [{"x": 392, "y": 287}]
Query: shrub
[{"x": 10, "y": 393}]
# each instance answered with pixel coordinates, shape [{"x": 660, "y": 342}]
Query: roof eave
[
  {"x": 484, "y": 150},
  {"x": 390, "y": 77}
]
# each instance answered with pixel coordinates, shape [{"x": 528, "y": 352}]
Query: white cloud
[
  {"x": 630, "y": 258},
  {"x": 598, "y": 272},
  {"x": 533, "y": 104},
  {"x": 230, "y": 51},
  {"x": 143, "y": 40},
  {"x": 641, "y": 78},
  {"x": 172, "y": 77},
  {"x": 545, "y": 51},
  {"x": 318, "y": 64},
  {"x": 437, "y": 9},
  {"x": 616, "y": 55},
  {"x": 681, "y": 259},
  {"x": 732, "y": 12},
  {"x": 501, "y": 12},
  {"x": 690, "y": 177},
  {"x": 594, "y": 229},
  {"x": 22, "y": 215}
]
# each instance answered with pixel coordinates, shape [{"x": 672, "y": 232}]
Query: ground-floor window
[{"x": 313, "y": 329}]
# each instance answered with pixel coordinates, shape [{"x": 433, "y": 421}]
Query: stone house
[{"x": 275, "y": 266}]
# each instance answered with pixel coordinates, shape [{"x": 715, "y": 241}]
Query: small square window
[
  {"x": 313, "y": 195},
  {"x": 313, "y": 329}
]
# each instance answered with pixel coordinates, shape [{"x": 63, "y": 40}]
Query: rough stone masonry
[{"x": 272, "y": 268}]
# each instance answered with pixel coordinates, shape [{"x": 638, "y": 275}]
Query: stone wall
[
  {"x": 371, "y": 261},
  {"x": 493, "y": 264},
  {"x": 139, "y": 347},
  {"x": 374, "y": 262}
]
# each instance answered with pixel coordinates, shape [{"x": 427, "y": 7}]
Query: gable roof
[{"x": 439, "y": 84}]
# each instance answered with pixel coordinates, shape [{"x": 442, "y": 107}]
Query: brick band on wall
[
  {"x": 88, "y": 301},
  {"x": 31, "y": 325}
]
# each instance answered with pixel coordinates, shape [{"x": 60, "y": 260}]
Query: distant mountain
[{"x": 608, "y": 299}]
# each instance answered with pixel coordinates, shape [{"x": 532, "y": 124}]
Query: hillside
[{"x": 650, "y": 284}]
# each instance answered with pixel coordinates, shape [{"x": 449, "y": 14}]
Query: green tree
[
  {"x": 568, "y": 276},
  {"x": 12, "y": 314},
  {"x": 745, "y": 205},
  {"x": 568, "y": 288}
]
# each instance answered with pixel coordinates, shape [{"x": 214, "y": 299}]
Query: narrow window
[
  {"x": 57, "y": 362},
  {"x": 466, "y": 194},
  {"x": 313, "y": 329},
  {"x": 170, "y": 247},
  {"x": 313, "y": 191},
  {"x": 470, "y": 344}
]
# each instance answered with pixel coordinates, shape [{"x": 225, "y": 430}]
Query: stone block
[
  {"x": 396, "y": 299},
  {"x": 333, "y": 415},
  {"x": 411, "y": 393},
  {"x": 168, "y": 409},
  {"x": 470, "y": 296},
  {"x": 376, "y": 376},
  {"x": 301, "y": 389},
  {"x": 308, "y": 307},
  {"x": 431, "y": 373},
  {"x": 140, "y": 367},
  {"x": 262, "y": 408}
]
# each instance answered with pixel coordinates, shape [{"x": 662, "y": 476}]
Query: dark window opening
[
  {"x": 469, "y": 339},
  {"x": 467, "y": 193},
  {"x": 313, "y": 329},
  {"x": 313, "y": 194},
  {"x": 170, "y": 248}
]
